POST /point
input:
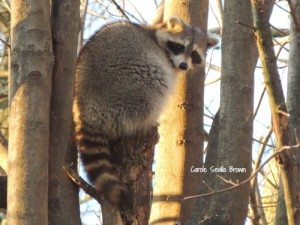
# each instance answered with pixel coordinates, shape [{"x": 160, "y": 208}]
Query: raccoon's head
[{"x": 182, "y": 43}]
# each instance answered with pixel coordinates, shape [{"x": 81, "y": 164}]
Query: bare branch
[
  {"x": 77, "y": 179},
  {"x": 120, "y": 9},
  {"x": 5, "y": 43}
]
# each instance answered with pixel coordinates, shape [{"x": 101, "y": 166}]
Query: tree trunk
[
  {"x": 3, "y": 191},
  {"x": 278, "y": 108},
  {"x": 236, "y": 113},
  {"x": 136, "y": 173},
  {"x": 63, "y": 193},
  {"x": 202, "y": 204},
  {"x": 30, "y": 91},
  {"x": 293, "y": 105},
  {"x": 181, "y": 131}
]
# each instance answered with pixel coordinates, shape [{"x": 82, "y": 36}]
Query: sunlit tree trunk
[
  {"x": 30, "y": 92},
  {"x": 181, "y": 137}
]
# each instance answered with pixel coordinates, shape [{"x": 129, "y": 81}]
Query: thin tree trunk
[
  {"x": 63, "y": 193},
  {"x": 30, "y": 91},
  {"x": 289, "y": 175},
  {"x": 293, "y": 105},
  {"x": 203, "y": 204},
  {"x": 235, "y": 137},
  {"x": 181, "y": 131}
]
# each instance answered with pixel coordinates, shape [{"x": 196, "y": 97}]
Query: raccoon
[{"x": 124, "y": 75}]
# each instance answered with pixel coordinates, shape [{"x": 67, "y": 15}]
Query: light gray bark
[
  {"x": 293, "y": 107},
  {"x": 236, "y": 112},
  {"x": 30, "y": 92}
]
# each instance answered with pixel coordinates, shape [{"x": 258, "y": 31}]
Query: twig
[
  {"x": 74, "y": 176},
  {"x": 264, "y": 143},
  {"x": 137, "y": 11},
  {"x": 246, "y": 25},
  {"x": 277, "y": 42},
  {"x": 208, "y": 186},
  {"x": 221, "y": 11},
  {"x": 279, "y": 6},
  {"x": 261, "y": 142},
  {"x": 216, "y": 17},
  {"x": 259, "y": 102},
  {"x": 278, "y": 30},
  {"x": 283, "y": 113},
  {"x": 284, "y": 148},
  {"x": 5, "y": 43},
  {"x": 227, "y": 181},
  {"x": 120, "y": 9},
  {"x": 92, "y": 13}
]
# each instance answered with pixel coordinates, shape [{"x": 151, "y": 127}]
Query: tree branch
[
  {"x": 254, "y": 174},
  {"x": 120, "y": 9},
  {"x": 77, "y": 179},
  {"x": 277, "y": 104}
]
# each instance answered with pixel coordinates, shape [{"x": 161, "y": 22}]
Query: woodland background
[{"x": 241, "y": 110}]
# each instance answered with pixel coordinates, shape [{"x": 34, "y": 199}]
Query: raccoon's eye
[
  {"x": 175, "y": 48},
  {"x": 196, "y": 58}
]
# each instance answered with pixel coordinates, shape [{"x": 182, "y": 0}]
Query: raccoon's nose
[{"x": 183, "y": 66}]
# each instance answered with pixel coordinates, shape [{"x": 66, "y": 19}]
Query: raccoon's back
[{"x": 121, "y": 80}]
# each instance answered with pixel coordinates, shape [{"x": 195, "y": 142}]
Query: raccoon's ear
[
  {"x": 212, "y": 40},
  {"x": 175, "y": 24}
]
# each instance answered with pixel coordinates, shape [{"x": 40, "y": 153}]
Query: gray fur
[{"x": 124, "y": 76}]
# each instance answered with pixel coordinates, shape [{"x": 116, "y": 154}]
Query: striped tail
[{"x": 100, "y": 166}]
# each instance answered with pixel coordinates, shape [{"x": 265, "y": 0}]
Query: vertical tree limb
[
  {"x": 63, "y": 193},
  {"x": 293, "y": 95},
  {"x": 235, "y": 135},
  {"x": 277, "y": 104},
  {"x": 181, "y": 131},
  {"x": 30, "y": 92},
  {"x": 202, "y": 204}
]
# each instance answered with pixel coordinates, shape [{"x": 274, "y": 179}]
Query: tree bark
[
  {"x": 286, "y": 159},
  {"x": 136, "y": 173},
  {"x": 30, "y": 92},
  {"x": 3, "y": 191},
  {"x": 181, "y": 131},
  {"x": 293, "y": 104},
  {"x": 202, "y": 204},
  {"x": 235, "y": 137},
  {"x": 232, "y": 16},
  {"x": 63, "y": 193}
]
